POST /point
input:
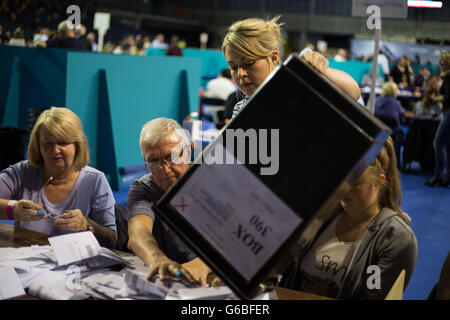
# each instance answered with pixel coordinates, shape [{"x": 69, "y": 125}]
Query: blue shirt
[
  {"x": 91, "y": 194},
  {"x": 388, "y": 107}
]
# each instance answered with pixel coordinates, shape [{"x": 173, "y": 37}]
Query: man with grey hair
[
  {"x": 166, "y": 150},
  {"x": 64, "y": 39}
]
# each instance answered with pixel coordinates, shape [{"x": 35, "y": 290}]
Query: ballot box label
[{"x": 236, "y": 213}]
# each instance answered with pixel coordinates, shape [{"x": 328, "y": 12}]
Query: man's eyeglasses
[{"x": 157, "y": 164}]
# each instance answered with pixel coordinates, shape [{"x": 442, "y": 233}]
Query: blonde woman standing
[{"x": 253, "y": 49}]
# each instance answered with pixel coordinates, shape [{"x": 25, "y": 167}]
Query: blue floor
[{"x": 429, "y": 209}]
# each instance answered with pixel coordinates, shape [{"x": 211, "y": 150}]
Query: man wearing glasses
[{"x": 166, "y": 150}]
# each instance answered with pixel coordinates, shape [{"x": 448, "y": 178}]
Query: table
[
  {"x": 418, "y": 144},
  {"x": 17, "y": 237}
]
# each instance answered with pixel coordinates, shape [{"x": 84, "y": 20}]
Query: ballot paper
[
  {"x": 105, "y": 285},
  {"x": 28, "y": 262},
  {"x": 20, "y": 266},
  {"x": 74, "y": 247},
  {"x": 10, "y": 283},
  {"x": 156, "y": 289},
  {"x": 211, "y": 293},
  {"x": 32, "y": 252},
  {"x": 83, "y": 249},
  {"x": 56, "y": 285}
]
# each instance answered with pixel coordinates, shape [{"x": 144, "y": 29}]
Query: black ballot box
[{"x": 249, "y": 204}]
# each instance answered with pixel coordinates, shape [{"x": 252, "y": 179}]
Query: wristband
[{"x": 10, "y": 209}]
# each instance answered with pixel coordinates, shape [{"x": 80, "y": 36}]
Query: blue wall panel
[{"x": 137, "y": 89}]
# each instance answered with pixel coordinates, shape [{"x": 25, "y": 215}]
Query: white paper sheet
[
  {"x": 137, "y": 281},
  {"x": 74, "y": 247},
  {"x": 33, "y": 252},
  {"x": 55, "y": 285},
  {"x": 20, "y": 266},
  {"x": 236, "y": 213},
  {"x": 211, "y": 293},
  {"x": 10, "y": 283}
]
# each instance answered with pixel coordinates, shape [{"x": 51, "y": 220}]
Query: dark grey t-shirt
[{"x": 142, "y": 193}]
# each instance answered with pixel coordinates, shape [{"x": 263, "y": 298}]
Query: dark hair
[{"x": 226, "y": 73}]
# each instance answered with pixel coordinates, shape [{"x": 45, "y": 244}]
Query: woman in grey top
[
  {"x": 361, "y": 250},
  {"x": 54, "y": 192}
]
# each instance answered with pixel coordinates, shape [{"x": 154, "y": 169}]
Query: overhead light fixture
[{"x": 425, "y": 4}]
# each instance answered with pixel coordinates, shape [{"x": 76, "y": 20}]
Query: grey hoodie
[{"x": 388, "y": 243}]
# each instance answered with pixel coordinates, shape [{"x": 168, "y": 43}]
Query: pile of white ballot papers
[{"x": 76, "y": 267}]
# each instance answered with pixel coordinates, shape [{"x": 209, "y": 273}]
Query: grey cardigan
[{"x": 388, "y": 243}]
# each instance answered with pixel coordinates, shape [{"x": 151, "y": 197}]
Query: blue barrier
[
  {"x": 356, "y": 69},
  {"x": 213, "y": 61},
  {"x": 114, "y": 95}
]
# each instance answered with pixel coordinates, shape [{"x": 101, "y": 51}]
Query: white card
[
  {"x": 10, "y": 283},
  {"x": 74, "y": 247}
]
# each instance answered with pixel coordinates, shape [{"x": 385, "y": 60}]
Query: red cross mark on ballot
[{"x": 182, "y": 206}]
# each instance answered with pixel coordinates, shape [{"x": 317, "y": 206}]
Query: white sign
[
  {"x": 102, "y": 20},
  {"x": 236, "y": 213},
  {"x": 101, "y": 24},
  {"x": 389, "y": 8}
]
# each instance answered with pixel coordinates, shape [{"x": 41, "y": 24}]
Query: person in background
[
  {"x": 158, "y": 42},
  {"x": 389, "y": 110},
  {"x": 405, "y": 84},
  {"x": 428, "y": 106},
  {"x": 40, "y": 37},
  {"x": 367, "y": 79},
  {"x": 220, "y": 87},
  {"x": 341, "y": 55},
  {"x": 252, "y": 49},
  {"x": 402, "y": 68},
  {"x": 387, "y": 105},
  {"x": 367, "y": 229},
  {"x": 91, "y": 38},
  {"x": 55, "y": 192},
  {"x": 149, "y": 237},
  {"x": 139, "y": 45},
  {"x": 64, "y": 39},
  {"x": 147, "y": 42},
  {"x": 174, "y": 49},
  {"x": 82, "y": 43},
  {"x": 18, "y": 38},
  {"x": 441, "y": 141},
  {"x": 384, "y": 62},
  {"x": 421, "y": 80}
]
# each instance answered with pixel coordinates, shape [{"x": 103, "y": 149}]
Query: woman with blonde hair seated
[
  {"x": 388, "y": 107},
  {"x": 55, "y": 192}
]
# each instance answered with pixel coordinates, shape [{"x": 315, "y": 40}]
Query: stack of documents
[
  {"x": 75, "y": 267},
  {"x": 19, "y": 267}
]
